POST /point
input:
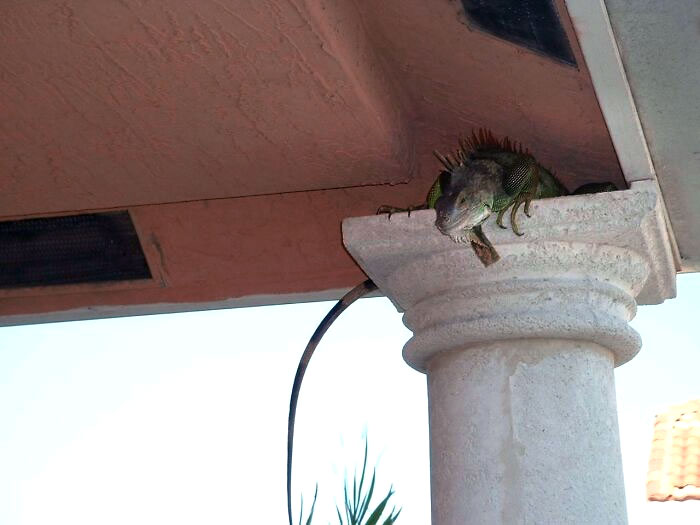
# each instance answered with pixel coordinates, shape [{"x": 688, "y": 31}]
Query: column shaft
[{"x": 525, "y": 432}]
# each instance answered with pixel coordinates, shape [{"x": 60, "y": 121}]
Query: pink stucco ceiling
[
  {"x": 143, "y": 105},
  {"x": 110, "y": 104}
]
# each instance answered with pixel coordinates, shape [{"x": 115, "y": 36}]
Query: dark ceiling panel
[
  {"x": 531, "y": 23},
  {"x": 88, "y": 248}
]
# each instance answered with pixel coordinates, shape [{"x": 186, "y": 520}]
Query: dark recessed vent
[
  {"x": 531, "y": 23},
  {"x": 89, "y": 248}
]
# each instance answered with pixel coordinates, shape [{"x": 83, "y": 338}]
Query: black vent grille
[
  {"x": 89, "y": 248},
  {"x": 530, "y": 23}
]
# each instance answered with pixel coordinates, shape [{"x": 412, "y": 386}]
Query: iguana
[
  {"x": 485, "y": 176},
  {"x": 488, "y": 175}
]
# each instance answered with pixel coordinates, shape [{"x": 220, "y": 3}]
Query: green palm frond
[{"x": 357, "y": 502}]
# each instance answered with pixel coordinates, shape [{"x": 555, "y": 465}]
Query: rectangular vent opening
[
  {"x": 88, "y": 248},
  {"x": 533, "y": 24}
]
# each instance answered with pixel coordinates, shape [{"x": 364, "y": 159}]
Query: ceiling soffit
[{"x": 116, "y": 104}]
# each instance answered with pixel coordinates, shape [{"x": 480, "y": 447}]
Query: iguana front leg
[
  {"x": 526, "y": 195},
  {"x": 389, "y": 210},
  {"x": 499, "y": 219},
  {"x": 513, "y": 217},
  {"x": 513, "y": 207}
]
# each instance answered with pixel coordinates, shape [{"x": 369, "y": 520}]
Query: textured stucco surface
[
  {"x": 240, "y": 133},
  {"x": 525, "y": 433},
  {"x": 122, "y": 103}
]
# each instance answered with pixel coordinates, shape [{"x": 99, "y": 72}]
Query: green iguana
[
  {"x": 488, "y": 175},
  {"x": 485, "y": 176}
]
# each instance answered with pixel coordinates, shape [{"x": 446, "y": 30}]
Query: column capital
[{"x": 583, "y": 264}]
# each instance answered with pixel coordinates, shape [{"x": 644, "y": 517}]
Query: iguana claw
[
  {"x": 499, "y": 219},
  {"x": 388, "y": 210},
  {"x": 391, "y": 209},
  {"x": 513, "y": 217}
]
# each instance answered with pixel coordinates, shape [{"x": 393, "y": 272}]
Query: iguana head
[{"x": 458, "y": 212}]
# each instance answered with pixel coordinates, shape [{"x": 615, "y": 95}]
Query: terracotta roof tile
[{"x": 674, "y": 461}]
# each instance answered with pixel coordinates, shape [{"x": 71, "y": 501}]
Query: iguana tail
[{"x": 353, "y": 295}]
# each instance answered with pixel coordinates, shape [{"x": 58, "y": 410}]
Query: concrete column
[
  {"x": 520, "y": 355},
  {"x": 525, "y": 432}
]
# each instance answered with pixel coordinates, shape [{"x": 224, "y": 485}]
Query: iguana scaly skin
[{"x": 486, "y": 175}]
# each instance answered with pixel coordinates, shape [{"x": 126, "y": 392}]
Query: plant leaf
[
  {"x": 313, "y": 506},
  {"x": 340, "y": 518},
  {"x": 392, "y": 517},
  {"x": 366, "y": 500},
  {"x": 374, "y": 517}
]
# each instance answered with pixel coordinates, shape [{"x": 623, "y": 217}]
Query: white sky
[{"x": 181, "y": 418}]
